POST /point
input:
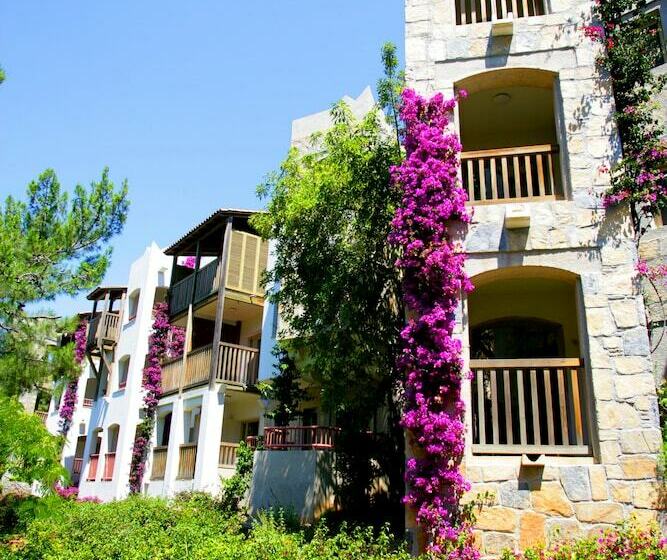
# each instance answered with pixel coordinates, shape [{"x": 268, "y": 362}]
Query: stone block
[
  {"x": 576, "y": 483},
  {"x": 599, "y": 512},
  {"x": 514, "y": 494},
  {"x": 629, "y": 365},
  {"x": 599, "y": 322},
  {"x": 499, "y": 473},
  {"x": 603, "y": 384},
  {"x": 629, "y": 386},
  {"x": 640, "y": 441},
  {"x": 498, "y": 518},
  {"x": 637, "y": 467},
  {"x": 599, "y": 489},
  {"x": 625, "y": 313},
  {"x": 479, "y": 490},
  {"x": 621, "y": 491},
  {"x": 644, "y": 517},
  {"x": 474, "y": 474},
  {"x": 615, "y": 415},
  {"x": 635, "y": 342},
  {"x": 562, "y": 529},
  {"x": 648, "y": 495},
  {"x": 551, "y": 499},
  {"x": 609, "y": 451},
  {"x": 531, "y": 530},
  {"x": 496, "y": 543}
]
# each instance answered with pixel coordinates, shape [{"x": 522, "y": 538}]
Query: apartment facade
[{"x": 562, "y": 414}]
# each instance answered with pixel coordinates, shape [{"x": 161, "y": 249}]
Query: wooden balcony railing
[
  {"x": 171, "y": 375},
  {"x": 208, "y": 280},
  {"x": 159, "y": 465},
  {"x": 535, "y": 406},
  {"x": 523, "y": 174},
  {"x": 252, "y": 441},
  {"x": 300, "y": 437},
  {"x": 88, "y": 403},
  {"x": 237, "y": 364},
  {"x": 198, "y": 366},
  {"x": 92, "y": 466},
  {"x": 186, "y": 461},
  {"x": 476, "y": 11},
  {"x": 103, "y": 328},
  {"x": 109, "y": 464},
  {"x": 227, "y": 454},
  {"x": 41, "y": 415},
  {"x": 77, "y": 465}
]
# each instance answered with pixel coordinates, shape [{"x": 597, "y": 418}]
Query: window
[
  {"x": 133, "y": 305},
  {"x": 123, "y": 370}
]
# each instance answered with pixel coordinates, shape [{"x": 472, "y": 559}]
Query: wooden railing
[
  {"x": 476, "y": 11},
  {"x": 237, "y": 364},
  {"x": 227, "y": 454},
  {"x": 93, "y": 461},
  {"x": 186, "y": 461},
  {"x": 171, "y": 375},
  {"x": 300, "y": 437},
  {"x": 109, "y": 463},
  {"x": 88, "y": 403},
  {"x": 532, "y": 406},
  {"x": 198, "y": 366},
  {"x": 252, "y": 441},
  {"x": 523, "y": 174},
  {"x": 180, "y": 294},
  {"x": 77, "y": 465},
  {"x": 159, "y": 465},
  {"x": 103, "y": 328},
  {"x": 207, "y": 280},
  {"x": 41, "y": 415}
]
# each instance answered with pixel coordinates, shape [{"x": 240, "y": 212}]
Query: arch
[
  {"x": 113, "y": 432},
  {"x": 123, "y": 370},
  {"x": 133, "y": 304},
  {"x": 505, "y": 77}
]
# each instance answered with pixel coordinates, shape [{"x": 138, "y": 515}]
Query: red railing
[
  {"x": 92, "y": 468},
  {"x": 88, "y": 403},
  {"x": 251, "y": 441},
  {"x": 109, "y": 463},
  {"x": 77, "y": 465},
  {"x": 300, "y": 437}
]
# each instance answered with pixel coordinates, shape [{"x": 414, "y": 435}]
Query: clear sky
[{"x": 192, "y": 102}]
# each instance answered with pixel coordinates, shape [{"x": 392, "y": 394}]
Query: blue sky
[{"x": 192, "y": 102}]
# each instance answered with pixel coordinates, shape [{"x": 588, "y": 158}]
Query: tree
[
  {"x": 330, "y": 211},
  {"x": 50, "y": 244}
]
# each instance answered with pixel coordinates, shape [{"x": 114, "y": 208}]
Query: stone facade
[{"x": 567, "y": 495}]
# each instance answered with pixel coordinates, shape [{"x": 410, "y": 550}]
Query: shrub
[{"x": 627, "y": 540}]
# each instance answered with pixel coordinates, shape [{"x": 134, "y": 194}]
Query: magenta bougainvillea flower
[
  {"x": 434, "y": 279},
  {"x": 68, "y": 404}
]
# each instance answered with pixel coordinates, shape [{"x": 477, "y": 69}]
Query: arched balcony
[
  {"x": 529, "y": 388},
  {"x": 510, "y": 138}
]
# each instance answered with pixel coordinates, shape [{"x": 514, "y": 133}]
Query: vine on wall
[
  {"x": 432, "y": 264},
  {"x": 165, "y": 341},
  {"x": 68, "y": 404}
]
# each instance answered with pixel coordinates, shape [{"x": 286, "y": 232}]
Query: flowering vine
[
  {"x": 432, "y": 264},
  {"x": 165, "y": 341},
  {"x": 68, "y": 405}
]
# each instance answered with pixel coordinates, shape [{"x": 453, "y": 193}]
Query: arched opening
[
  {"x": 94, "y": 457},
  {"x": 123, "y": 370},
  {"x": 90, "y": 393},
  {"x": 528, "y": 388},
  {"x": 110, "y": 456},
  {"x": 509, "y": 136},
  {"x": 133, "y": 305}
]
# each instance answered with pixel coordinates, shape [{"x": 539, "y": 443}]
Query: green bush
[
  {"x": 192, "y": 527},
  {"x": 627, "y": 540}
]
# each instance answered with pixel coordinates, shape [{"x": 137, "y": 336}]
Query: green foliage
[
  {"x": 662, "y": 407},
  {"x": 390, "y": 86},
  {"x": 285, "y": 389},
  {"x": 192, "y": 527},
  {"x": 329, "y": 211},
  {"x": 235, "y": 488},
  {"x": 28, "y": 452},
  {"x": 627, "y": 540},
  {"x": 50, "y": 244}
]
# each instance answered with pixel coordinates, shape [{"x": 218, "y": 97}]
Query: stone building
[{"x": 562, "y": 416}]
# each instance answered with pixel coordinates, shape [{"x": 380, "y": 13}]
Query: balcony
[
  {"x": 522, "y": 174},
  {"x": 282, "y": 438},
  {"x": 109, "y": 464},
  {"x": 238, "y": 365},
  {"x": 477, "y": 11},
  {"x": 187, "y": 460},
  {"x": 103, "y": 329},
  {"x": 529, "y": 407},
  {"x": 248, "y": 256},
  {"x": 159, "y": 464},
  {"x": 41, "y": 415}
]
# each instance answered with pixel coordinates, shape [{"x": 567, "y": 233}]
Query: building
[{"x": 562, "y": 413}]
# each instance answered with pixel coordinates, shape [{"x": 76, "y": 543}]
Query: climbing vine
[
  {"x": 165, "y": 341},
  {"x": 68, "y": 405},
  {"x": 432, "y": 263}
]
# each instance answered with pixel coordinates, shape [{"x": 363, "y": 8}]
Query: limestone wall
[{"x": 570, "y": 495}]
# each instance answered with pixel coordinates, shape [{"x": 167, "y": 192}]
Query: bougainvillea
[
  {"x": 630, "y": 48},
  {"x": 68, "y": 404},
  {"x": 434, "y": 278},
  {"x": 164, "y": 341}
]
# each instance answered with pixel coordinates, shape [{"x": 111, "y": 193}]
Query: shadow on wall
[{"x": 301, "y": 481}]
